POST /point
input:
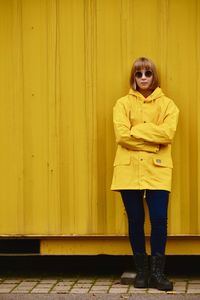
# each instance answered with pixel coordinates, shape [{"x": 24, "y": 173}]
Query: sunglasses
[{"x": 139, "y": 74}]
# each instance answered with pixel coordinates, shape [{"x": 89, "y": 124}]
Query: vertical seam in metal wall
[
  {"x": 23, "y": 101},
  {"x": 57, "y": 112},
  {"x": 94, "y": 204},
  {"x": 73, "y": 110},
  {"x": 193, "y": 200},
  {"x": 90, "y": 103},
  {"x": 48, "y": 108},
  {"x": 198, "y": 105},
  {"x": 85, "y": 84}
]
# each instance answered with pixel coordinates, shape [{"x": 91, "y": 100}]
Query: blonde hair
[{"x": 147, "y": 64}]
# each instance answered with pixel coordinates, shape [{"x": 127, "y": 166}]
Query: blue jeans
[{"x": 157, "y": 202}]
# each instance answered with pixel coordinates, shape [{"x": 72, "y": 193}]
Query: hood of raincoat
[{"x": 157, "y": 93}]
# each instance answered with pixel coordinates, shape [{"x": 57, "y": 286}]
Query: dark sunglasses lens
[
  {"x": 138, "y": 74},
  {"x": 148, "y": 73}
]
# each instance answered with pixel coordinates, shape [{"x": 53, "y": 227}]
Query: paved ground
[
  {"x": 96, "y": 297},
  {"x": 90, "y": 285}
]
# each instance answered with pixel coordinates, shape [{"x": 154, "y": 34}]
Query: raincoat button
[{"x": 158, "y": 161}]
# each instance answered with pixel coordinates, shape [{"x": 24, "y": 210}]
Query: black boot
[
  {"x": 141, "y": 263},
  {"x": 157, "y": 278}
]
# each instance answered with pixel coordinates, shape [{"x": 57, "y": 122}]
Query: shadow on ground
[{"x": 105, "y": 265}]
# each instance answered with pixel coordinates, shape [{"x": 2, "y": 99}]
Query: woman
[{"x": 145, "y": 123}]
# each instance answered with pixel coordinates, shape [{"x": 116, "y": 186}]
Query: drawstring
[{"x": 144, "y": 195}]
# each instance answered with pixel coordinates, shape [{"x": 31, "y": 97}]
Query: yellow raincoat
[{"x": 144, "y": 129}]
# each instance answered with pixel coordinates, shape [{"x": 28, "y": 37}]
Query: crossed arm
[{"x": 144, "y": 136}]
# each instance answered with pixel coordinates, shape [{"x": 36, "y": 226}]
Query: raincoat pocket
[
  {"x": 163, "y": 163},
  {"x": 122, "y": 161},
  {"x": 123, "y": 157}
]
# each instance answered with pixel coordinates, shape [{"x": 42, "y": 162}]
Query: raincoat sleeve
[
  {"x": 122, "y": 127},
  {"x": 161, "y": 134}
]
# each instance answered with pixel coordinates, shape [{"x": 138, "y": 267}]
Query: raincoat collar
[{"x": 157, "y": 93}]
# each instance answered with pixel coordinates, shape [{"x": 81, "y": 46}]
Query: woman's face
[{"x": 144, "y": 79}]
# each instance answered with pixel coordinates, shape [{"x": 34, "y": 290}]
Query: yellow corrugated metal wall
[{"x": 64, "y": 63}]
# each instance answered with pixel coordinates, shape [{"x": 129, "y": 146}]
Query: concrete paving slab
[
  {"x": 99, "y": 287},
  {"x": 194, "y": 285},
  {"x": 118, "y": 290}
]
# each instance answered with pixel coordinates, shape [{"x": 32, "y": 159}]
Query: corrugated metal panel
[{"x": 63, "y": 66}]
